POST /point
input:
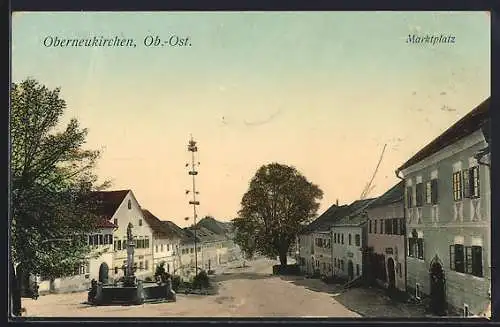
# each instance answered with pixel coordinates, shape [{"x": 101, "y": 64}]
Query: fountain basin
[{"x": 118, "y": 294}]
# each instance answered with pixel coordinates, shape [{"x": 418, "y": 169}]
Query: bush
[
  {"x": 201, "y": 280},
  {"x": 176, "y": 282}
]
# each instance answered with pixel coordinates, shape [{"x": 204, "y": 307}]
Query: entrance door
[
  {"x": 437, "y": 286},
  {"x": 350, "y": 270},
  {"x": 391, "y": 272},
  {"x": 103, "y": 273}
]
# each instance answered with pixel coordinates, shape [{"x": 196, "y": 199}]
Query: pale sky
[{"x": 322, "y": 91}]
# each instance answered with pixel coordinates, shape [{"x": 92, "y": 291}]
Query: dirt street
[{"x": 243, "y": 292}]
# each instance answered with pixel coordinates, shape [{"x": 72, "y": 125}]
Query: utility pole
[{"x": 192, "y": 147}]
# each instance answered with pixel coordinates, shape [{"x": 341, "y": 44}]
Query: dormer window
[{"x": 129, "y": 204}]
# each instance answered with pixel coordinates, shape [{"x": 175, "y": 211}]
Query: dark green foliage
[
  {"x": 51, "y": 184},
  {"x": 201, "y": 280},
  {"x": 278, "y": 202},
  {"x": 162, "y": 273},
  {"x": 176, "y": 282}
]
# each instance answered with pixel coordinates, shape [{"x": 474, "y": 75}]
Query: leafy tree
[
  {"x": 52, "y": 180},
  {"x": 279, "y": 200}
]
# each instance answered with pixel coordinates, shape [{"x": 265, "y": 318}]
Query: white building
[
  {"x": 315, "y": 246},
  {"x": 349, "y": 236},
  {"x": 122, "y": 208},
  {"x": 166, "y": 242},
  {"x": 99, "y": 261},
  {"x": 448, "y": 217}
]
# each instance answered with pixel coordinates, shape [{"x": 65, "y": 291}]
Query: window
[
  {"x": 402, "y": 226},
  {"x": 428, "y": 192},
  {"x": 116, "y": 270},
  {"x": 434, "y": 191},
  {"x": 415, "y": 246},
  {"x": 114, "y": 246},
  {"x": 409, "y": 202},
  {"x": 156, "y": 248},
  {"x": 457, "y": 258},
  {"x": 161, "y": 248},
  {"x": 335, "y": 262},
  {"x": 168, "y": 247},
  {"x": 168, "y": 267},
  {"x": 146, "y": 264},
  {"x": 342, "y": 238},
  {"x": 147, "y": 243},
  {"x": 140, "y": 222},
  {"x": 375, "y": 227},
  {"x": 141, "y": 265},
  {"x": 381, "y": 226},
  {"x": 115, "y": 221},
  {"x": 394, "y": 223},
  {"x": 350, "y": 239},
  {"x": 334, "y": 237},
  {"x": 101, "y": 239},
  {"x": 471, "y": 182},
  {"x": 357, "y": 269},
  {"x": 475, "y": 181},
  {"x": 457, "y": 186},
  {"x": 119, "y": 245},
  {"x": 129, "y": 204},
  {"x": 357, "y": 240},
  {"x": 419, "y": 190},
  {"x": 468, "y": 259},
  {"x": 369, "y": 226}
]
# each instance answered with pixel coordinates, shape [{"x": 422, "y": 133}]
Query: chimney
[{"x": 337, "y": 202}]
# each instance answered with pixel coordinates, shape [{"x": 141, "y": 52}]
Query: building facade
[
  {"x": 447, "y": 202},
  {"x": 124, "y": 209},
  {"x": 349, "y": 237},
  {"x": 386, "y": 239},
  {"x": 166, "y": 242}
]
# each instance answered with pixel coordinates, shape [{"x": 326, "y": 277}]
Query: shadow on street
[
  {"x": 240, "y": 275},
  {"x": 366, "y": 301}
]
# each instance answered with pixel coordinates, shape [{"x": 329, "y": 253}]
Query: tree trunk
[
  {"x": 15, "y": 294},
  {"x": 283, "y": 258}
]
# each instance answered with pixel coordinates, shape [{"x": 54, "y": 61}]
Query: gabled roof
[
  {"x": 174, "y": 228},
  {"x": 355, "y": 214},
  {"x": 323, "y": 220},
  {"x": 203, "y": 235},
  {"x": 477, "y": 119},
  {"x": 109, "y": 201},
  {"x": 394, "y": 195},
  {"x": 161, "y": 228},
  {"x": 107, "y": 204}
]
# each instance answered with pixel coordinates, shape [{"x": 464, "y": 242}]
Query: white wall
[
  {"x": 134, "y": 215},
  {"x": 348, "y": 252}
]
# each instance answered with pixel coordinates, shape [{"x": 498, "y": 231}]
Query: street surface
[{"x": 249, "y": 291}]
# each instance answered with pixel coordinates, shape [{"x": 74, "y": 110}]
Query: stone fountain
[{"x": 131, "y": 290}]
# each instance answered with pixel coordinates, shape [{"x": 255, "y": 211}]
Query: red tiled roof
[
  {"x": 107, "y": 204},
  {"x": 160, "y": 226},
  {"x": 109, "y": 201},
  {"x": 104, "y": 223},
  {"x": 473, "y": 121}
]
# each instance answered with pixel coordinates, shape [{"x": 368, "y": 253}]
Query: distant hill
[{"x": 216, "y": 226}]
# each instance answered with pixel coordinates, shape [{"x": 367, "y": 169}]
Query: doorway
[
  {"x": 391, "y": 273},
  {"x": 437, "y": 289},
  {"x": 350, "y": 270}
]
